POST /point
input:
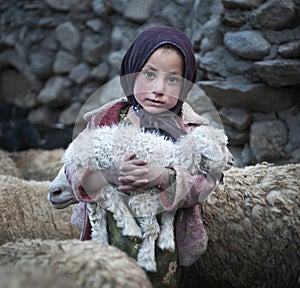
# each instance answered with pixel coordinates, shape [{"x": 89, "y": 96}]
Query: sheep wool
[
  {"x": 25, "y": 212},
  {"x": 31, "y": 277},
  {"x": 86, "y": 264},
  {"x": 204, "y": 149},
  {"x": 8, "y": 165},
  {"x": 38, "y": 164},
  {"x": 253, "y": 225}
]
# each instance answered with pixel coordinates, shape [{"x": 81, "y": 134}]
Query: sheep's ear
[{"x": 190, "y": 116}]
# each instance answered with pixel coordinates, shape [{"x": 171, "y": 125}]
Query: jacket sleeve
[{"x": 188, "y": 191}]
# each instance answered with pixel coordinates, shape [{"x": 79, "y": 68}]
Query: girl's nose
[{"x": 158, "y": 87}]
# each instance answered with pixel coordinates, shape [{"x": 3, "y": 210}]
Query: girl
[{"x": 157, "y": 72}]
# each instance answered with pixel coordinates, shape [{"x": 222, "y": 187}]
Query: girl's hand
[{"x": 137, "y": 174}]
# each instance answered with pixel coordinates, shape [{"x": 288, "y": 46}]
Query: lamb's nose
[{"x": 54, "y": 193}]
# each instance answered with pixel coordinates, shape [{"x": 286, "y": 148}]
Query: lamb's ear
[
  {"x": 87, "y": 116},
  {"x": 189, "y": 116}
]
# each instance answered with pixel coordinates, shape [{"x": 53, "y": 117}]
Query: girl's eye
[
  {"x": 149, "y": 74},
  {"x": 173, "y": 79}
]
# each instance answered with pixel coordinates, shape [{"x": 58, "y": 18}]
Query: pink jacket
[{"x": 190, "y": 189}]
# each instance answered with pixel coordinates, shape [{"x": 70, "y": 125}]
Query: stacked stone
[
  {"x": 249, "y": 59},
  {"x": 247, "y": 52},
  {"x": 65, "y": 50}
]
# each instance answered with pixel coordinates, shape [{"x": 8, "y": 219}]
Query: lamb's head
[
  {"x": 207, "y": 147},
  {"x": 60, "y": 193}
]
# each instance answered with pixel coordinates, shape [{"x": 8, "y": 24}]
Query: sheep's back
[{"x": 87, "y": 264}]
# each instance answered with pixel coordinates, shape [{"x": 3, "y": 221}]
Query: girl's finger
[
  {"x": 126, "y": 169},
  {"x": 129, "y": 157}
]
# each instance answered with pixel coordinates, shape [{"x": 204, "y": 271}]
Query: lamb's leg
[
  {"x": 146, "y": 255},
  {"x": 111, "y": 201},
  {"x": 97, "y": 216},
  {"x": 166, "y": 235}
]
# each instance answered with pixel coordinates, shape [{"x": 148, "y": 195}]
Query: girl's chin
[{"x": 154, "y": 110}]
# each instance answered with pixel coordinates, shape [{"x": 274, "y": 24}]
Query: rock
[
  {"x": 63, "y": 62},
  {"x": 50, "y": 43},
  {"x": 67, "y": 5},
  {"x": 68, "y": 36},
  {"x": 94, "y": 24},
  {"x": 237, "y": 156},
  {"x": 93, "y": 47},
  {"x": 100, "y": 72},
  {"x": 247, "y": 44},
  {"x": 138, "y": 10},
  {"x": 114, "y": 59},
  {"x": 258, "y": 116},
  {"x": 247, "y": 155},
  {"x": 279, "y": 73},
  {"x": 236, "y": 137},
  {"x": 267, "y": 139},
  {"x": 213, "y": 35},
  {"x": 56, "y": 91},
  {"x": 100, "y": 7},
  {"x": 235, "y": 117},
  {"x": 234, "y": 18},
  {"x": 41, "y": 64},
  {"x": 292, "y": 120},
  {"x": 119, "y": 5},
  {"x": 241, "y": 4},
  {"x": 121, "y": 37},
  {"x": 87, "y": 90},
  {"x": 69, "y": 115},
  {"x": 255, "y": 97},
  {"x": 290, "y": 50},
  {"x": 43, "y": 115},
  {"x": 220, "y": 63},
  {"x": 80, "y": 73},
  {"x": 275, "y": 15},
  {"x": 282, "y": 36},
  {"x": 295, "y": 156}
]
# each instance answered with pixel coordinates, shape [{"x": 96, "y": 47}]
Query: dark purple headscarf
[{"x": 136, "y": 57}]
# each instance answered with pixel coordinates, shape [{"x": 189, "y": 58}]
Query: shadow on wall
[{"x": 16, "y": 131}]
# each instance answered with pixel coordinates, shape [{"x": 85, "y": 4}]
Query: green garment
[{"x": 168, "y": 272}]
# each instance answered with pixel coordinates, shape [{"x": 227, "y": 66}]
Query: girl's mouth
[{"x": 155, "y": 102}]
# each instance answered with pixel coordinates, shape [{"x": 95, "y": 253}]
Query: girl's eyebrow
[{"x": 149, "y": 66}]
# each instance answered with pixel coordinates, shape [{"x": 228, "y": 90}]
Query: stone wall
[{"x": 55, "y": 54}]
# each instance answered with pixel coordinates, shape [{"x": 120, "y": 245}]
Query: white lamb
[{"x": 202, "y": 150}]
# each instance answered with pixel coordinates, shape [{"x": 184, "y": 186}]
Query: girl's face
[{"x": 158, "y": 85}]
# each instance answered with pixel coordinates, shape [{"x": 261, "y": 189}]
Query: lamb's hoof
[
  {"x": 132, "y": 232},
  {"x": 149, "y": 266},
  {"x": 166, "y": 244}
]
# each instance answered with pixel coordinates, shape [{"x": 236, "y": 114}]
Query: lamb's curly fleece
[{"x": 202, "y": 150}]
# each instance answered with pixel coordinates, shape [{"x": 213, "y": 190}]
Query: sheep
[
  {"x": 61, "y": 195},
  {"x": 86, "y": 264},
  {"x": 8, "y": 165},
  {"x": 204, "y": 149},
  {"x": 253, "y": 227},
  {"x": 25, "y": 212},
  {"x": 38, "y": 164},
  {"x": 252, "y": 222},
  {"x": 31, "y": 277}
]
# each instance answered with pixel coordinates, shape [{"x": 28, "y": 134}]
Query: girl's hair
[{"x": 176, "y": 49}]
